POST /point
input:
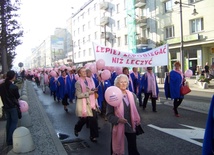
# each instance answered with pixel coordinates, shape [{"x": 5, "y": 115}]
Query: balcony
[
  {"x": 142, "y": 21},
  {"x": 142, "y": 40},
  {"x": 140, "y": 3},
  {"x": 108, "y": 35},
  {"x": 104, "y": 21},
  {"x": 104, "y": 5},
  {"x": 163, "y": 1}
]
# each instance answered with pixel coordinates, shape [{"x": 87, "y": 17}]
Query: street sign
[{"x": 20, "y": 64}]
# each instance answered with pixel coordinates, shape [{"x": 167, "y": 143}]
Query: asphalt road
[{"x": 164, "y": 134}]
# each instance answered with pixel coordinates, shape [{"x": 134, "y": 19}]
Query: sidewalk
[{"x": 42, "y": 131}]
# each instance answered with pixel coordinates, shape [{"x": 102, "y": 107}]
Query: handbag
[
  {"x": 139, "y": 130},
  {"x": 185, "y": 90}
]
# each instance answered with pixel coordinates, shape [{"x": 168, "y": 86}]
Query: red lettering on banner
[
  {"x": 97, "y": 49},
  {"x": 139, "y": 62},
  {"x": 117, "y": 60},
  {"x": 108, "y": 50}
]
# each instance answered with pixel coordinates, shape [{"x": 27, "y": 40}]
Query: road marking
[{"x": 185, "y": 134}]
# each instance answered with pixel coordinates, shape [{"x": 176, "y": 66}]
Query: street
[{"x": 164, "y": 134}]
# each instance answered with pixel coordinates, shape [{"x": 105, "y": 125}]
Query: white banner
[{"x": 116, "y": 58}]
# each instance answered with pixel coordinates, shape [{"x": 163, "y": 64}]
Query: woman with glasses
[{"x": 124, "y": 118}]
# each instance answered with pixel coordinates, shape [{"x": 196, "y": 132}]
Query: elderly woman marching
[
  {"x": 125, "y": 123},
  {"x": 86, "y": 105}
]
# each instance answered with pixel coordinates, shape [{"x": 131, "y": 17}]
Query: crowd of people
[{"x": 87, "y": 90}]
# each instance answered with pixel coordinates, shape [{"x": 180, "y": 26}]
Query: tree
[{"x": 10, "y": 33}]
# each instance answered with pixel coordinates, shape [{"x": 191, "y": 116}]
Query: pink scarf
[
  {"x": 118, "y": 131},
  {"x": 91, "y": 97},
  {"x": 152, "y": 85}
]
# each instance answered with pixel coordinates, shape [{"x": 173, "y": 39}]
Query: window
[
  {"x": 125, "y": 22},
  {"x": 197, "y": 25},
  {"x": 111, "y": 10},
  {"x": 126, "y": 39},
  {"x": 89, "y": 51},
  {"x": 118, "y": 41},
  {"x": 74, "y": 44},
  {"x": 83, "y": 40},
  {"x": 78, "y": 30},
  {"x": 74, "y": 33},
  {"x": 83, "y": 52},
  {"x": 168, "y": 6},
  {"x": 78, "y": 42},
  {"x": 83, "y": 28},
  {"x": 89, "y": 37},
  {"x": 193, "y": 1},
  {"x": 118, "y": 24},
  {"x": 95, "y": 21},
  {"x": 95, "y": 35},
  {"x": 74, "y": 22},
  {"x": 89, "y": 25},
  {"x": 89, "y": 11},
  {"x": 169, "y": 32},
  {"x": 95, "y": 6},
  {"x": 118, "y": 8},
  {"x": 124, "y": 4},
  {"x": 79, "y": 54},
  {"x": 83, "y": 15}
]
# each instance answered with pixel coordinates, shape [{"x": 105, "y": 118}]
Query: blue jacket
[
  {"x": 135, "y": 81},
  {"x": 101, "y": 91},
  {"x": 53, "y": 84},
  {"x": 175, "y": 81}
]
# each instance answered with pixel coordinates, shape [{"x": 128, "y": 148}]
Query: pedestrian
[
  {"x": 64, "y": 89},
  {"x": 9, "y": 94},
  {"x": 103, "y": 85},
  {"x": 176, "y": 80},
  {"x": 135, "y": 76},
  {"x": 126, "y": 72},
  {"x": 86, "y": 107},
  {"x": 23, "y": 75},
  {"x": 42, "y": 81},
  {"x": 124, "y": 118},
  {"x": 206, "y": 70},
  {"x": 53, "y": 86},
  {"x": 150, "y": 88}
]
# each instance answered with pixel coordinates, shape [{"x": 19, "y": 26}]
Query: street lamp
[{"x": 181, "y": 24}]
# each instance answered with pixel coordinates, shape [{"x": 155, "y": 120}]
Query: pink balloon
[
  {"x": 119, "y": 70},
  {"x": 87, "y": 65},
  {"x": 93, "y": 68},
  {"x": 53, "y": 73},
  {"x": 63, "y": 67},
  {"x": 23, "y": 105},
  {"x": 100, "y": 64},
  {"x": 106, "y": 74},
  {"x": 113, "y": 96},
  {"x": 188, "y": 73}
]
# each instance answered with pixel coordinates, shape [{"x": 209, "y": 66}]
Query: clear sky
[{"x": 39, "y": 18}]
